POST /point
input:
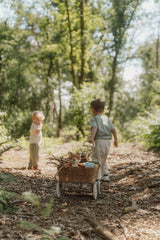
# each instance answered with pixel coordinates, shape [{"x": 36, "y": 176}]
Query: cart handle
[
  {"x": 89, "y": 145},
  {"x": 58, "y": 172}
]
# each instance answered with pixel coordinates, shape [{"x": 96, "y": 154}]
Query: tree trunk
[
  {"x": 60, "y": 101},
  {"x": 157, "y": 46},
  {"x": 112, "y": 84},
  {"x": 71, "y": 44},
  {"x": 0, "y": 81},
  {"x": 80, "y": 130},
  {"x": 82, "y": 75},
  {"x": 47, "y": 91}
]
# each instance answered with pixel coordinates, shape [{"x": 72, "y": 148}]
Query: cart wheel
[
  {"x": 95, "y": 190},
  {"x": 58, "y": 190},
  {"x": 99, "y": 186}
]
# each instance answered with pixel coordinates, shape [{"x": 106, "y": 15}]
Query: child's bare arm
[
  {"x": 115, "y": 137},
  {"x": 38, "y": 129},
  {"x": 93, "y": 133},
  {"x": 37, "y": 132}
]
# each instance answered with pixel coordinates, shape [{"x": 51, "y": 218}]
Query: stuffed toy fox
[{"x": 75, "y": 159}]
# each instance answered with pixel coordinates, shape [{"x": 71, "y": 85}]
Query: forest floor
[{"x": 128, "y": 206}]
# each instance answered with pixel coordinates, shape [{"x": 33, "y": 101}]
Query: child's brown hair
[{"x": 98, "y": 105}]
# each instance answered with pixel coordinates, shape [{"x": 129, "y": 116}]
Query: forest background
[{"x": 57, "y": 56}]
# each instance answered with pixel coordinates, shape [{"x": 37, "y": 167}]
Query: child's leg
[
  {"x": 34, "y": 156},
  {"x": 30, "y": 164},
  {"x": 106, "y": 147},
  {"x": 100, "y": 154},
  {"x": 104, "y": 170},
  {"x": 97, "y": 155}
]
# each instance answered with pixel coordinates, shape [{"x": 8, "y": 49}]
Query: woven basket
[{"x": 78, "y": 174}]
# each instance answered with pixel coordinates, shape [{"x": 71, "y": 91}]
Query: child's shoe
[
  {"x": 35, "y": 168},
  {"x": 105, "y": 178}
]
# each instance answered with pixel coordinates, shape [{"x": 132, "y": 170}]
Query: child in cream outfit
[
  {"x": 35, "y": 139},
  {"x": 102, "y": 130}
]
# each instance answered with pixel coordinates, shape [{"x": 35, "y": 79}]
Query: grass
[{"x": 48, "y": 143}]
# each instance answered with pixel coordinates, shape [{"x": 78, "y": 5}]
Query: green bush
[
  {"x": 4, "y": 136},
  {"x": 5, "y": 143},
  {"x": 23, "y": 143},
  {"x": 79, "y": 113},
  {"x": 146, "y": 130},
  {"x": 5, "y": 196},
  {"x": 5, "y": 201},
  {"x": 152, "y": 139}
]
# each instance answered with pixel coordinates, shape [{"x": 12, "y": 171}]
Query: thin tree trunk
[
  {"x": 71, "y": 44},
  {"x": 47, "y": 92},
  {"x": 112, "y": 83},
  {"x": 60, "y": 102},
  {"x": 0, "y": 81},
  {"x": 82, "y": 75},
  {"x": 157, "y": 47}
]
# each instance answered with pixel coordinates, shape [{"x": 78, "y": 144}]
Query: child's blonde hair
[{"x": 38, "y": 114}]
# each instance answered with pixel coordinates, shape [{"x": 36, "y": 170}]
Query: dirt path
[{"x": 134, "y": 174}]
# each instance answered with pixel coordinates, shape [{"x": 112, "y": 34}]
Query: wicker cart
[{"x": 79, "y": 175}]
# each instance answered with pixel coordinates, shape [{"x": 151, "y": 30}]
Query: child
[
  {"x": 102, "y": 130},
  {"x": 35, "y": 139}
]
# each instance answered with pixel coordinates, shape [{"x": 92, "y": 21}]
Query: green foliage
[
  {"x": 6, "y": 147},
  {"x": 48, "y": 143},
  {"x": 146, "y": 130},
  {"x": 5, "y": 143},
  {"x": 36, "y": 64},
  {"x": 5, "y": 201},
  {"x": 149, "y": 89},
  {"x": 31, "y": 197},
  {"x": 80, "y": 113},
  {"x": 18, "y": 123},
  {"x": 4, "y": 136},
  {"x": 47, "y": 211},
  {"x": 5, "y": 196},
  {"x": 47, "y": 234},
  {"x": 23, "y": 143},
  {"x": 7, "y": 206},
  {"x": 3, "y": 133},
  {"x": 34, "y": 200},
  {"x": 49, "y": 130},
  {"x": 9, "y": 177},
  {"x": 152, "y": 138},
  {"x": 145, "y": 126},
  {"x": 29, "y": 225},
  {"x": 125, "y": 110}
]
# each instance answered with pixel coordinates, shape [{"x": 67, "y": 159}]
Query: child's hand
[
  {"x": 115, "y": 137},
  {"x": 115, "y": 143},
  {"x": 90, "y": 140}
]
